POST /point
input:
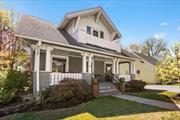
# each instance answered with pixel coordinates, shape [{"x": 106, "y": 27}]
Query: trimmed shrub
[
  {"x": 67, "y": 93},
  {"x": 135, "y": 85},
  {"x": 13, "y": 84}
]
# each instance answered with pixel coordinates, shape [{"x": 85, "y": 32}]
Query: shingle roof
[
  {"x": 34, "y": 27},
  {"x": 150, "y": 59}
]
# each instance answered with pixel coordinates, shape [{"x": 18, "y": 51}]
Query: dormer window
[
  {"x": 95, "y": 33},
  {"x": 88, "y": 30},
  {"x": 102, "y": 34}
]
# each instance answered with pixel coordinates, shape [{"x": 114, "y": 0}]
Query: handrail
[{"x": 116, "y": 78}]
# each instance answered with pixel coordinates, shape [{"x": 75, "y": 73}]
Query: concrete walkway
[
  {"x": 156, "y": 103},
  {"x": 163, "y": 87}
]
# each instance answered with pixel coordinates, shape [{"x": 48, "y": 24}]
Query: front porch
[{"x": 52, "y": 64}]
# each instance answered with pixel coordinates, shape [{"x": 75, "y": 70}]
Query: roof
[
  {"x": 34, "y": 27},
  {"x": 91, "y": 11},
  {"x": 149, "y": 59}
]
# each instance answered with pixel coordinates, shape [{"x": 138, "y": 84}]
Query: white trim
[
  {"x": 98, "y": 16},
  {"x": 62, "y": 57},
  {"x": 76, "y": 47},
  {"x": 77, "y": 22}
]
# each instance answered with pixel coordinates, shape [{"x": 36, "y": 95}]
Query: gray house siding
[
  {"x": 99, "y": 67},
  {"x": 75, "y": 65}
]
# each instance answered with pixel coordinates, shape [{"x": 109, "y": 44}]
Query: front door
[
  {"x": 59, "y": 65},
  {"x": 108, "y": 75}
]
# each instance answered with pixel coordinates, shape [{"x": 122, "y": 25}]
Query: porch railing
[
  {"x": 126, "y": 77},
  {"x": 55, "y": 77}
]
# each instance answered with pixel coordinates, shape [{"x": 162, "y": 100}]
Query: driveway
[{"x": 163, "y": 87}]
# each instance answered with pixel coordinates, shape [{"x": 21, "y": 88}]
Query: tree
[
  {"x": 154, "y": 47},
  {"x": 168, "y": 68},
  {"x": 135, "y": 48}
]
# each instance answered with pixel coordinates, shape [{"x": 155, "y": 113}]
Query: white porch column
[
  {"x": 90, "y": 63},
  {"x": 48, "y": 59},
  {"x": 114, "y": 66},
  {"x": 117, "y": 67},
  {"x": 132, "y": 67},
  {"x": 36, "y": 66},
  {"x": 84, "y": 63}
]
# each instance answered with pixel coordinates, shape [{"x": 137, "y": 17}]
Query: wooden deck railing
[{"x": 56, "y": 77}]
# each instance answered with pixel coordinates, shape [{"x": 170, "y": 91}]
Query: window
[
  {"x": 88, "y": 30},
  {"x": 102, "y": 34},
  {"x": 42, "y": 64},
  {"x": 138, "y": 72},
  {"x": 95, "y": 33},
  {"x": 59, "y": 65}
]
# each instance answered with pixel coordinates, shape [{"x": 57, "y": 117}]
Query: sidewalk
[
  {"x": 156, "y": 103},
  {"x": 163, "y": 87}
]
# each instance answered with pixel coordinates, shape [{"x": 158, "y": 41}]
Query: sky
[{"x": 136, "y": 20}]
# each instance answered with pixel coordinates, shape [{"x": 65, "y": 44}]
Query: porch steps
[{"x": 108, "y": 88}]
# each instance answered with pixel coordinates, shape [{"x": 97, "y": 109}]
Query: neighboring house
[
  {"x": 85, "y": 44},
  {"x": 145, "y": 69}
]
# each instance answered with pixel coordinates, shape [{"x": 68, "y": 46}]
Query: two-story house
[{"x": 86, "y": 43}]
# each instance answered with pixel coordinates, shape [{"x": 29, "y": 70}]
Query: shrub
[
  {"x": 94, "y": 81},
  {"x": 135, "y": 85},
  {"x": 66, "y": 93},
  {"x": 122, "y": 80},
  {"x": 13, "y": 83}
]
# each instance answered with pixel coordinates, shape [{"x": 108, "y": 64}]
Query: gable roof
[
  {"x": 149, "y": 59},
  {"x": 33, "y": 27},
  {"x": 91, "y": 11},
  {"x": 37, "y": 28}
]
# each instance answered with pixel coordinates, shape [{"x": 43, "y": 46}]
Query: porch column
[
  {"x": 90, "y": 63},
  {"x": 132, "y": 70},
  {"x": 132, "y": 67},
  {"x": 84, "y": 68},
  {"x": 48, "y": 59},
  {"x": 114, "y": 66},
  {"x": 36, "y": 67},
  {"x": 117, "y": 67}
]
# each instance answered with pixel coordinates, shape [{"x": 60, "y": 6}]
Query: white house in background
[{"x": 85, "y": 44}]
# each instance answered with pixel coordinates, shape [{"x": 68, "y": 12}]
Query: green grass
[
  {"x": 157, "y": 95},
  {"x": 100, "y": 108},
  {"x": 177, "y": 84}
]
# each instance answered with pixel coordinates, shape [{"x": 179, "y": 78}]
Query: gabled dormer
[{"x": 92, "y": 26}]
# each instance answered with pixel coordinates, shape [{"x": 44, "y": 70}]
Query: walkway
[
  {"x": 163, "y": 87},
  {"x": 156, "y": 103}
]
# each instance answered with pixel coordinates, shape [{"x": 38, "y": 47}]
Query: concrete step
[{"x": 105, "y": 93}]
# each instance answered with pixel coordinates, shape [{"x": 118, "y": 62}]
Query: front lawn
[
  {"x": 107, "y": 107},
  {"x": 176, "y": 84},
  {"x": 157, "y": 95}
]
